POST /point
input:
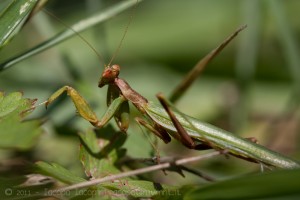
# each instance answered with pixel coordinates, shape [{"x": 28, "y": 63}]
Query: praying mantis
[{"x": 161, "y": 120}]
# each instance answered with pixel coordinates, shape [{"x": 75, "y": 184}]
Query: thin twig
[
  {"x": 197, "y": 173},
  {"x": 135, "y": 172}
]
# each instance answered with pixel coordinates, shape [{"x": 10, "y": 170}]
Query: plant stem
[{"x": 136, "y": 172}]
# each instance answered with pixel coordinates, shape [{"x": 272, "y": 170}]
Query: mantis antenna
[
  {"x": 123, "y": 37},
  {"x": 101, "y": 59},
  {"x": 78, "y": 34}
]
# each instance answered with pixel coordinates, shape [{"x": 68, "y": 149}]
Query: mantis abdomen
[{"x": 219, "y": 139}]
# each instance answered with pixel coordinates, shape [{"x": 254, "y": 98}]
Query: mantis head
[{"x": 109, "y": 74}]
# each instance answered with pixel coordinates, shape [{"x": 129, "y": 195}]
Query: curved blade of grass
[
  {"x": 82, "y": 25},
  {"x": 277, "y": 184},
  {"x": 39, "y": 6},
  {"x": 199, "y": 67},
  {"x": 13, "y": 17}
]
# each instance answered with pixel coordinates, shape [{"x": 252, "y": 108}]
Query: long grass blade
[
  {"x": 199, "y": 67},
  {"x": 82, "y": 25},
  {"x": 12, "y": 19}
]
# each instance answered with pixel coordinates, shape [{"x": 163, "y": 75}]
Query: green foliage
[
  {"x": 13, "y": 17},
  {"x": 81, "y": 26},
  {"x": 56, "y": 171},
  {"x": 102, "y": 163},
  {"x": 102, "y": 152},
  {"x": 278, "y": 184},
  {"x": 89, "y": 138},
  {"x": 14, "y": 132},
  {"x": 141, "y": 189}
]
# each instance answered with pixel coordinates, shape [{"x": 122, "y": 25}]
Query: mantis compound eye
[{"x": 116, "y": 69}]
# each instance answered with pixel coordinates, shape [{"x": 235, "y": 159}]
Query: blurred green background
[{"x": 251, "y": 88}]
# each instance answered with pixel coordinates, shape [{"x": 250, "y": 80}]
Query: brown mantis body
[
  {"x": 190, "y": 132},
  {"x": 164, "y": 122}
]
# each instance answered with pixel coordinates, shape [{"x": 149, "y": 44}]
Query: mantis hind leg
[
  {"x": 164, "y": 135},
  {"x": 184, "y": 136}
]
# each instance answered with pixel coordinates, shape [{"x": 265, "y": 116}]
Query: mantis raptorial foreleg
[
  {"x": 84, "y": 109},
  {"x": 163, "y": 134},
  {"x": 184, "y": 137}
]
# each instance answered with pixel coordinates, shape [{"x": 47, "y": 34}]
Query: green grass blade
[
  {"x": 13, "y": 17},
  {"x": 187, "y": 81},
  {"x": 284, "y": 184},
  {"x": 99, "y": 17},
  {"x": 289, "y": 43},
  {"x": 58, "y": 172}
]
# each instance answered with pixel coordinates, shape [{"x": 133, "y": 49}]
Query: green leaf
[
  {"x": 283, "y": 184},
  {"x": 13, "y": 17},
  {"x": 62, "y": 174},
  {"x": 139, "y": 189},
  {"x": 58, "y": 172},
  {"x": 103, "y": 163},
  {"x": 13, "y": 132},
  {"x": 89, "y": 138},
  {"x": 104, "y": 194}
]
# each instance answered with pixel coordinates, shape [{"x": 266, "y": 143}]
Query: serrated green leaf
[
  {"x": 13, "y": 132},
  {"x": 10, "y": 103},
  {"x": 102, "y": 163},
  {"x": 283, "y": 184},
  {"x": 95, "y": 167},
  {"x": 13, "y": 17},
  {"x": 58, "y": 172}
]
